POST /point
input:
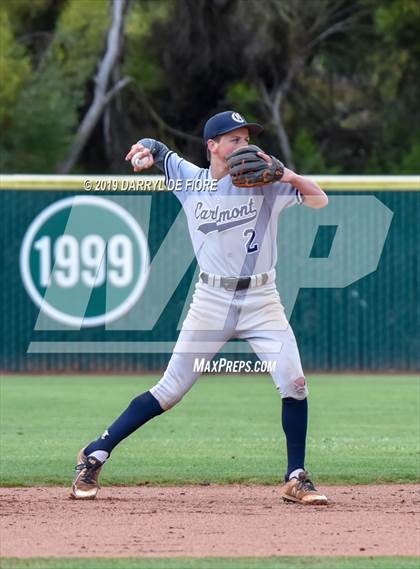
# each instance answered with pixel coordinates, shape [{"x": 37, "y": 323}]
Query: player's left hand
[
  {"x": 265, "y": 157},
  {"x": 250, "y": 166},
  {"x": 288, "y": 174}
]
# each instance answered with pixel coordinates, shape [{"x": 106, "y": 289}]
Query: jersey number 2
[{"x": 250, "y": 246}]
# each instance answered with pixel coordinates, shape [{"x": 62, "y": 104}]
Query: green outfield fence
[{"x": 371, "y": 324}]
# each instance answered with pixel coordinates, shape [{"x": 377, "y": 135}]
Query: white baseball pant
[{"x": 216, "y": 316}]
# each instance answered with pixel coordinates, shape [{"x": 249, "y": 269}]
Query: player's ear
[{"x": 211, "y": 145}]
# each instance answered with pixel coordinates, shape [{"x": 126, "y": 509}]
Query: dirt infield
[{"x": 209, "y": 521}]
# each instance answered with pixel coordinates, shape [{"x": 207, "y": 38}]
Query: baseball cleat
[
  {"x": 302, "y": 491},
  {"x": 85, "y": 484}
]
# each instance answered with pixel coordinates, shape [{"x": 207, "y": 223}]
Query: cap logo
[{"x": 237, "y": 117}]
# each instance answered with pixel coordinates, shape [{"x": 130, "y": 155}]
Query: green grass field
[
  {"x": 363, "y": 429},
  {"x": 217, "y": 563}
]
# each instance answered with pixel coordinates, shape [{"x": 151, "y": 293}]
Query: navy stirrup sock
[
  {"x": 295, "y": 424},
  {"x": 141, "y": 409}
]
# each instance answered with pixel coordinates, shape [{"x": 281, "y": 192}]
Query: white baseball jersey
[{"x": 233, "y": 230}]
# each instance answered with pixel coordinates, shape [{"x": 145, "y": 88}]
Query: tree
[
  {"x": 103, "y": 94},
  {"x": 289, "y": 35},
  {"x": 15, "y": 68},
  {"x": 313, "y": 71},
  {"x": 45, "y": 114}
]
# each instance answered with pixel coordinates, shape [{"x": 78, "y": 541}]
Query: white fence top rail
[{"x": 100, "y": 183}]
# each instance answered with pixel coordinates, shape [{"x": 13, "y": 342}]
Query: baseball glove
[{"x": 247, "y": 169}]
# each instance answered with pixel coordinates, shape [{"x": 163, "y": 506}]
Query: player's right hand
[{"x": 143, "y": 153}]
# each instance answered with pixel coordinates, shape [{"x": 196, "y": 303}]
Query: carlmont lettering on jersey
[{"x": 225, "y": 218}]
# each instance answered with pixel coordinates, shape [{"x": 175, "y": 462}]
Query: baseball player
[{"x": 234, "y": 231}]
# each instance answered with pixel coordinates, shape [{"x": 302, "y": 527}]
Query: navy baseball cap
[{"x": 226, "y": 122}]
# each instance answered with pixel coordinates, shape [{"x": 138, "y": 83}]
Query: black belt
[{"x": 229, "y": 283}]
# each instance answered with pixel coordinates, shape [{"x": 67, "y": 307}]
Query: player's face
[{"x": 229, "y": 142}]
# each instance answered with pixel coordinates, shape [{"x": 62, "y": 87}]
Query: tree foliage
[
  {"x": 47, "y": 111},
  {"x": 335, "y": 82}
]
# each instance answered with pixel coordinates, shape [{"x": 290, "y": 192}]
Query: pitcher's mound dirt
[{"x": 209, "y": 521}]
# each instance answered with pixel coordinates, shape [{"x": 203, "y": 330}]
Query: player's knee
[
  {"x": 300, "y": 383},
  {"x": 297, "y": 389}
]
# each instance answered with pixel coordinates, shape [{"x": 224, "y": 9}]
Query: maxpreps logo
[{"x": 222, "y": 219}]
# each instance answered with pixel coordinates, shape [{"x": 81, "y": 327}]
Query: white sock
[
  {"x": 295, "y": 473},
  {"x": 101, "y": 455}
]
